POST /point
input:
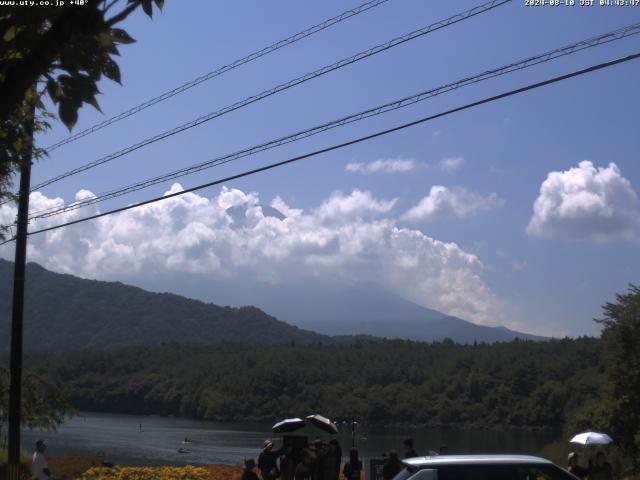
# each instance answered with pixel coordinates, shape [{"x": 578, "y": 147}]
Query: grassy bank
[{"x": 25, "y": 462}]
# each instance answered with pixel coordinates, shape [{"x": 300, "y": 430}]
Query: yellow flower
[{"x": 147, "y": 473}]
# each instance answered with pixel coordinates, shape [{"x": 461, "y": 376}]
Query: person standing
[
  {"x": 303, "y": 469},
  {"x": 352, "y": 468},
  {"x": 332, "y": 461},
  {"x": 316, "y": 451},
  {"x": 248, "y": 473},
  {"x": 409, "y": 451},
  {"x": 39, "y": 466},
  {"x": 392, "y": 466},
  {"x": 601, "y": 470},
  {"x": 574, "y": 468},
  {"x": 288, "y": 464},
  {"x": 268, "y": 461}
]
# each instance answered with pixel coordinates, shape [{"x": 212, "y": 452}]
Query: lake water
[{"x": 122, "y": 442}]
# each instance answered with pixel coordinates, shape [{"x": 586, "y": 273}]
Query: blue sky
[{"x": 474, "y": 256}]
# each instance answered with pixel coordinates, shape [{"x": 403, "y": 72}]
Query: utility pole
[{"x": 15, "y": 362}]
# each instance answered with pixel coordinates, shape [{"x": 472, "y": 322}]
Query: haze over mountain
[
  {"x": 349, "y": 310},
  {"x": 64, "y": 312},
  {"x": 338, "y": 308}
]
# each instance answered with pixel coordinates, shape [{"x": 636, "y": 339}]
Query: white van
[{"x": 481, "y": 467}]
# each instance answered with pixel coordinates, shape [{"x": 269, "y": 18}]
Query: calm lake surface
[{"x": 122, "y": 442}]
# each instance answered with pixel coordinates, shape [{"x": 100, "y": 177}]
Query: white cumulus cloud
[
  {"x": 586, "y": 202},
  {"x": 456, "y": 202},
  {"x": 386, "y": 165},
  {"x": 349, "y": 237},
  {"x": 451, "y": 164},
  {"x": 342, "y": 208}
]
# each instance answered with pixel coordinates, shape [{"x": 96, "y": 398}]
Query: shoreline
[{"x": 409, "y": 426}]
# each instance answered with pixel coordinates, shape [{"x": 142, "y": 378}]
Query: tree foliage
[
  {"x": 60, "y": 52},
  {"x": 621, "y": 334},
  {"x": 388, "y": 382},
  {"x": 43, "y": 405}
]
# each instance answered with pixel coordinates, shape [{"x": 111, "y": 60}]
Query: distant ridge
[
  {"x": 64, "y": 312},
  {"x": 340, "y": 309}
]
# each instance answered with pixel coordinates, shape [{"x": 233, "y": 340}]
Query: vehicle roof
[{"x": 473, "y": 460}]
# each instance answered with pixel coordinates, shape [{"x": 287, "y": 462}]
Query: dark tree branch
[
  {"x": 26, "y": 72},
  {"x": 108, "y": 7},
  {"x": 123, "y": 14}
]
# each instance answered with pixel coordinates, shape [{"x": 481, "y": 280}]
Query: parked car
[{"x": 481, "y": 467}]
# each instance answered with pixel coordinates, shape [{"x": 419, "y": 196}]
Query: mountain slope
[
  {"x": 339, "y": 309},
  {"x": 63, "y": 312}
]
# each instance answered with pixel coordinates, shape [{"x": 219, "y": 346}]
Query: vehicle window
[
  {"x": 501, "y": 472},
  {"x": 476, "y": 472},
  {"x": 542, "y": 472}
]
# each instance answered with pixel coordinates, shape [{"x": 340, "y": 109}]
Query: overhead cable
[
  {"x": 533, "y": 86},
  {"x": 284, "y": 86},
  {"x": 387, "y": 107},
  {"x": 224, "y": 69}
]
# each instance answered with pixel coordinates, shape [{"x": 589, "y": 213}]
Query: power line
[
  {"x": 401, "y": 103},
  {"x": 226, "y": 68},
  {"x": 284, "y": 86},
  {"x": 533, "y": 86}
]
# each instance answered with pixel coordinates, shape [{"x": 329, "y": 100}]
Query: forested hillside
[
  {"x": 97, "y": 314},
  {"x": 516, "y": 384}
]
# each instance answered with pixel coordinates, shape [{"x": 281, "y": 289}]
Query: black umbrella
[
  {"x": 288, "y": 425},
  {"x": 323, "y": 423}
]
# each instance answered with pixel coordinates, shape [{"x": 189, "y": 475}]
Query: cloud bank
[
  {"x": 450, "y": 202},
  {"x": 348, "y": 236},
  {"x": 586, "y": 202}
]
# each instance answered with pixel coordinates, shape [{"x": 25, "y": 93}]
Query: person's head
[
  {"x": 353, "y": 455},
  {"x": 249, "y": 464},
  {"x": 267, "y": 445},
  {"x": 41, "y": 445},
  {"x": 600, "y": 458},
  {"x": 443, "y": 450},
  {"x": 408, "y": 443},
  {"x": 334, "y": 442},
  {"x": 573, "y": 459},
  {"x": 393, "y": 455}
]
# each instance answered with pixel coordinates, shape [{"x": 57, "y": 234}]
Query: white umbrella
[
  {"x": 323, "y": 423},
  {"x": 288, "y": 425},
  {"x": 592, "y": 438}
]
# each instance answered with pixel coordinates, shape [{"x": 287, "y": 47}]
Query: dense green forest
[
  {"x": 101, "y": 315},
  {"x": 516, "y": 384},
  {"x": 570, "y": 384}
]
